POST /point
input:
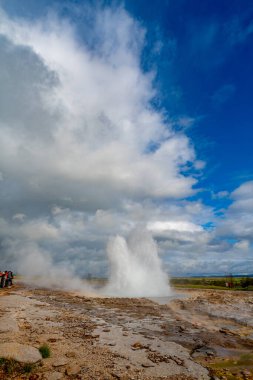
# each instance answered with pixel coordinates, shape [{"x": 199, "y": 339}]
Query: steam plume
[{"x": 135, "y": 267}]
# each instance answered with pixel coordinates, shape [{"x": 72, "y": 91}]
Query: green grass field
[{"x": 222, "y": 283}]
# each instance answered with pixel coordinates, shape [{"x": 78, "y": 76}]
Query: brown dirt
[{"x": 123, "y": 338}]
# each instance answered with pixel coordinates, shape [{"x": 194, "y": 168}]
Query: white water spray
[{"x": 135, "y": 267}]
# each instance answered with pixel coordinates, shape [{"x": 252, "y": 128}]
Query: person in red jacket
[{"x": 3, "y": 279}]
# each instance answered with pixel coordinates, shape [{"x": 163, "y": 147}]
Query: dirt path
[{"x": 113, "y": 338}]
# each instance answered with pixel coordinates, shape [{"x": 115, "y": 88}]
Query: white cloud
[
  {"x": 77, "y": 132},
  {"x": 238, "y": 218},
  {"x": 243, "y": 197},
  {"x": 242, "y": 245},
  {"x": 177, "y": 232},
  {"x": 161, "y": 226},
  {"x": 100, "y": 123}
]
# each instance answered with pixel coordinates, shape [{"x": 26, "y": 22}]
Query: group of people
[{"x": 6, "y": 279}]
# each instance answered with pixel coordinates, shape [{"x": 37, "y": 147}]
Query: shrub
[
  {"x": 12, "y": 367},
  {"x": 28, "y": 367},
  {"x": 45, "y": 351},
  {"x": 9, "y": 365}
]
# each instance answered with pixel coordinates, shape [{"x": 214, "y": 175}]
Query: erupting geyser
[{"x": 135, "y": 267}]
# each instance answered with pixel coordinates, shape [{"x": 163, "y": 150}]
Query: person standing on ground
[
  {"x": 3, "y": 279},
  {"x": 9, "y": 279}
]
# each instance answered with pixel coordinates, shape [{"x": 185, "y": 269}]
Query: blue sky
[
  {"x": 155, "y": 98},
  {"x": 207, "y": 57}
]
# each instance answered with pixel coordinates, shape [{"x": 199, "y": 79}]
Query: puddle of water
[
  {"x": 166, "y": 300},
  {"x": 230, "y": 327},
  {"x": 228, "y": 352}
]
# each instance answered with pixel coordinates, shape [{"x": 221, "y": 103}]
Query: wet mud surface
[{"x": 202, "y": 334}]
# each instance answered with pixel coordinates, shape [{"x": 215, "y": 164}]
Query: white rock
[
  {"x": 20, "y": 352},
  {"x": 8, "y": 324}
]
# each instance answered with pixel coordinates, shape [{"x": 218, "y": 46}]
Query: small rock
[
  {"x": 137, "y": 346},
  {"x": 203, "y": 351},
  {"x": 223, "y": 330},
  {"x": 116, "y": 375},
  {"x": 147, "y": 365},
  {"x": 73, "y": 369},
  {"x": 20, "y": 352},
  {"x": 71, "y": 355},
  {"x": 60, "y": 362},
  {"x": 53, "y": 375}
]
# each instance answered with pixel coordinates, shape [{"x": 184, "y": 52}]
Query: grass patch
[
  {"x": 245, "y": 360},
  {"x": 45, "y": 351},
  {"x": 28, "y": 367},
  {"x": 12, "y": 367},
  {"x": 9, "y": 366},
  {"x": 193, "y": 286},
  {"x": 221, "y": 283},
  {"x": 231, "y": 368}
]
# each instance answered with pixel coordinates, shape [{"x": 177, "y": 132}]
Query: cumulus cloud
[
  {"x": 243, "y": 197},
  {"x": 223, "y": 245},
  {"x": 242, "y": 245},
  {"x": 78, "y": 134},
  {"x": 238, "y": 222},
  {"x": 89, "y": 111},
  {"x": 174, "y": 226},
  {"x": 84, "y": 155}
]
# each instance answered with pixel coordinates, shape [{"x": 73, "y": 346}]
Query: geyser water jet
[{"x": 135, "y": 267}]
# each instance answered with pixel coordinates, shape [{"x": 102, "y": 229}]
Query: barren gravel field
[{"x": 199, "y": 334}]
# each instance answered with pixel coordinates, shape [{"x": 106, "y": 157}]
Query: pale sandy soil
[{"x": 120, "y": 338}]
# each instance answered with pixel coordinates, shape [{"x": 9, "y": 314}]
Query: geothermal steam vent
[{"x": 135, "y": 267}]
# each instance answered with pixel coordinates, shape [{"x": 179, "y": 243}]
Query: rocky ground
[{"x": 201, "y": 334}]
